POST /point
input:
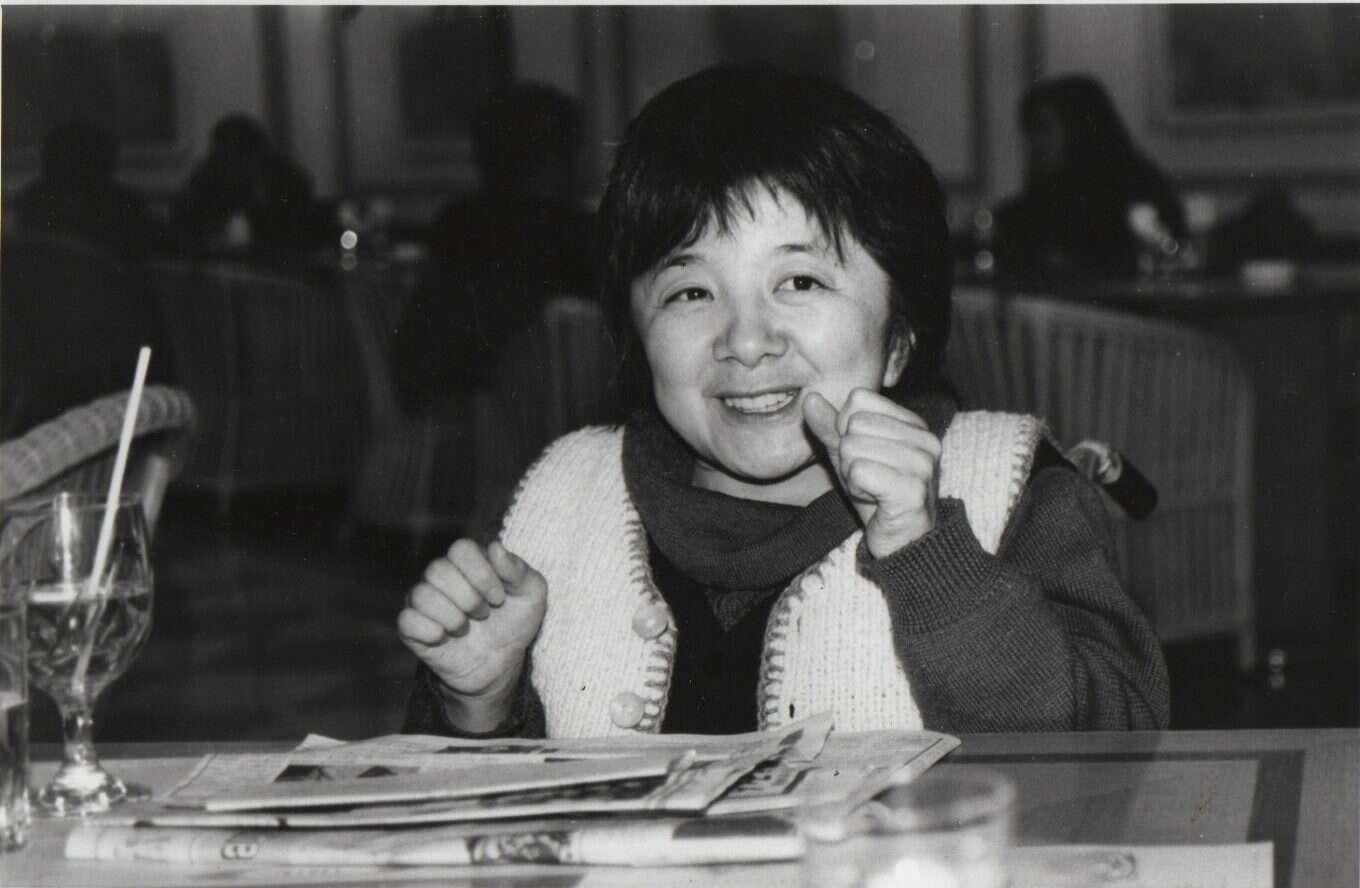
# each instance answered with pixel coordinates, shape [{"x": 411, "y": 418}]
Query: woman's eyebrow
[
  {"x": 677, "y": 260},
  {"x": 819, "y": 248}
]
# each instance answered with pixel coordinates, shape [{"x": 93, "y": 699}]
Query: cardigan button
[
  {"x": 625, "y": 710},
  {"x": 650, "y": 620}
]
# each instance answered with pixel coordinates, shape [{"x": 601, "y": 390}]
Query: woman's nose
[{"x": 749, "y": 336}]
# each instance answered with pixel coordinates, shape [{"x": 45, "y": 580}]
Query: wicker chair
[
  {"x": 456, "y": 466},
  {"x": 415, "y": 471},
  {"x": 76, "y": 450},
  {"x": 1177, "y": 401},
  {"x": 552, "y": 378},
  {"x": 273, "y": 368}
]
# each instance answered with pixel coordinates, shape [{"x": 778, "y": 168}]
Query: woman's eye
[
  {"x": 688, "y": 294},
  {"x": 802, "y": 282}
]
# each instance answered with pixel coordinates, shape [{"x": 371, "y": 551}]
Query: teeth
[{"x": 761, "y": 403}]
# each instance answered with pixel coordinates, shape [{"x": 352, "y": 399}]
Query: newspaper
[
  {"x": 414, "y": 800},
  {"x": 603, "y": 842},
  {"x": 395, "y": 782},
  {"x": 430, "y": 753},
  {"x": 732, "y": 840}
]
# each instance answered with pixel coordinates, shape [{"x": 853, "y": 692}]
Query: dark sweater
[{"x": 1038, "y": 637}]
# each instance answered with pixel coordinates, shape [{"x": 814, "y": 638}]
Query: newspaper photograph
[{"x": 851, "y": 768}]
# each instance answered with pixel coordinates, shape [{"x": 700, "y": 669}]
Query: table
[{"x": 1297, "y": 789}]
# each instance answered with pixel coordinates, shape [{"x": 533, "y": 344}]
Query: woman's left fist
[{"x": 886, "y": 460}]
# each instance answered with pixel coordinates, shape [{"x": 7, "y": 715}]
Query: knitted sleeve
[
  {"x": 1040, "y": 637},
  {"x": 425, "y": 712}
]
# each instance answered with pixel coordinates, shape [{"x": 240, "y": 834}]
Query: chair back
[
  {"x": 76, "y": 451},
  {"x": 985, "y": 358},
  {"x": 1175, "y": 399},
  {"x": 552, "y": 378},
  {"x": 273, "y": 364},
  {"x": 415, "y": 472},
  {"x": 376, "y": 303}
]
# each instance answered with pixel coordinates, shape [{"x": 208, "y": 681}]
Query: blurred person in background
[
  {"x": 76, "y": 195},
  {"x": 76, "y": 301},
  {"x": 1083, "y": 175},
  {"x": 248, "y": 197},
  {"x": 498, "y": 254}
]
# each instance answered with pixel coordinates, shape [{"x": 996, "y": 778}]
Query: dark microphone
[{"x": 1119, "y": 478}]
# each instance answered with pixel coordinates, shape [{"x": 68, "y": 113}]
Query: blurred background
[{"x": 271, "y": 193}]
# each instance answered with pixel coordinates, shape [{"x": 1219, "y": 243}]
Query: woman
[
  {"x": 798, "y": 521},
  {"x": 1082, "y": 175}
]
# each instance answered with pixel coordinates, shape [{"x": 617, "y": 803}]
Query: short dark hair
[{"x": 697, "y": 151}]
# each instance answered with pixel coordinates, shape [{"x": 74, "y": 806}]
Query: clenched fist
[
  {"x": 887, "y": 461},
  {"x": 470, "y": 620}
]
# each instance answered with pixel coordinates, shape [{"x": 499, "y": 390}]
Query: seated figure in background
[
  {"x": 1083, "y": 173},
  {"x": 248, "y": 197},
  {"x": 499, "y": 254},
  {"x": 798, "y": 519},
  {"x": 76, "y": 195}
]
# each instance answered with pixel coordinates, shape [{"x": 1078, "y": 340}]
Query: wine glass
[{"x": 81, "y": 636}]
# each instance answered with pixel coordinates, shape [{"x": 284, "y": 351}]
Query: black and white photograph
[{"x": 944, "y": 417}]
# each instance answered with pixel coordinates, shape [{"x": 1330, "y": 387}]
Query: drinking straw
[{"x": 101, "y": 550}]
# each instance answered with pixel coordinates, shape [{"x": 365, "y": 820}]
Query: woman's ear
[{"x": 899, "y": 350}]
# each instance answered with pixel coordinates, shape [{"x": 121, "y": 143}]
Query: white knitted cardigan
[{"x": 828, "y": 643}]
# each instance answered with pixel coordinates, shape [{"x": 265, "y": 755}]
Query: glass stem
[{"x": 77, "y": 726}]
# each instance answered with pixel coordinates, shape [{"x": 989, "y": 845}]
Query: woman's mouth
[{"x": 762, "y": 404}]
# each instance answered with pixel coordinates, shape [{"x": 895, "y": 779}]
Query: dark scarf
[{"x": 724, "y": 542}]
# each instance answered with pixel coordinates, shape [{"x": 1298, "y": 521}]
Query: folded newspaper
[{"x": 405, "y": 800}]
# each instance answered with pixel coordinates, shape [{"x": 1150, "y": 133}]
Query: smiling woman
[{"x": 798, "y": 519}]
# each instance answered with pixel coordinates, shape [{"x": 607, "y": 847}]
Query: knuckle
[
  {"x": 860, "y": 423},
  {"x": 860, "y": 397},
  {"x": 422, "y": 598},
  {"x": 412, "y": 626},
  {"x": 465, "y": 552},
  {"x": 922, "y": 464},
  {"x": 436, "y": 571}
]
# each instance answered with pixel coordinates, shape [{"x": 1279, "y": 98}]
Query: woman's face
[{"x": 739, "y": 327}]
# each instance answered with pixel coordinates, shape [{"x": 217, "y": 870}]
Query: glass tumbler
[
  {"x": 83, "y": 631},
  {"x": 13, "y": 719},
  {"x": 951, "y": 828}
]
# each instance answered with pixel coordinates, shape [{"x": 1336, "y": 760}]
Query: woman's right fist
[{"x": 471, "y": 619}]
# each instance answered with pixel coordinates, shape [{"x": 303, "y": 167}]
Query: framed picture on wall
[
  {"x": 1239, "y": 66},
  {"x": 412, "y": 80}
]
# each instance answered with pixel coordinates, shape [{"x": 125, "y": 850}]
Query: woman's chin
[{"x": 788, "y": 478}]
